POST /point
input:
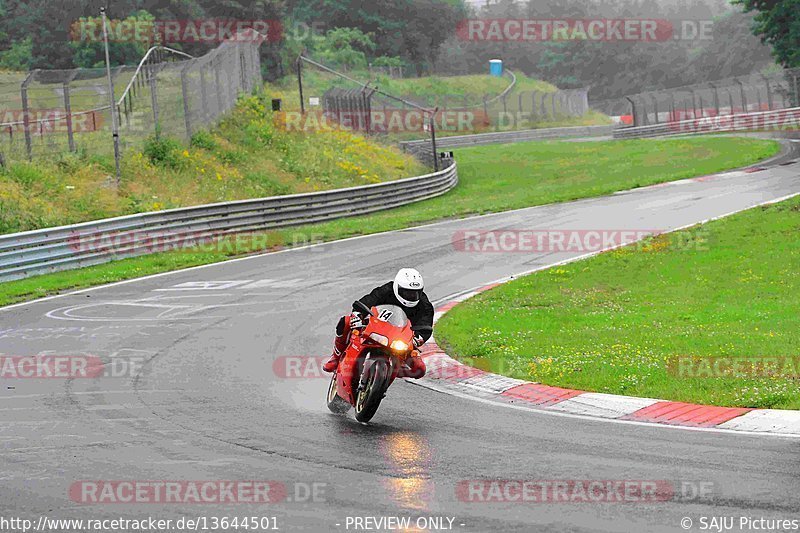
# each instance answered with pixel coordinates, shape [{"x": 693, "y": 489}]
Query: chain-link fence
[
  {"x": 731, "y": 96},
  {"x": 343, "y": 101},
  {"x": 46, "y": 113}
]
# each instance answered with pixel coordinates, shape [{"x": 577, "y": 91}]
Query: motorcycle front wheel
[
  {"x": 336, "y": 403},
  {"x": 369, "y": 398}
]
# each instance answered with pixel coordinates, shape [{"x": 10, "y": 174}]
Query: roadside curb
[{"x": 448, "y": 374}]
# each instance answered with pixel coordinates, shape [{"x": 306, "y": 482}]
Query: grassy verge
[
  {"x": 492, "y": 179},
  {"x": 655, "y": 320},
  {"x": 246, "y": 156},
  {"x": 522, "y": 108}
]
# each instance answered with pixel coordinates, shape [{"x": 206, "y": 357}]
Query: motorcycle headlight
[
  {"x": 380, "y": 339},
  {"x": 399, "y": 346}
]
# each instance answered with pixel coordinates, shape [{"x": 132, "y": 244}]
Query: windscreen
[{"x": 392, "y": 314}]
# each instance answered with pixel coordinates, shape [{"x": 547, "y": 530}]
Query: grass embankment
[
  {"x": 655, "y": 320},
  {"x": 246, "y": 156},
  {"x": 492, "y": 179},
  {"x": 522, "y": 108}
]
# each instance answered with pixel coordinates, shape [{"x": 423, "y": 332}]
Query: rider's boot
[
  {"x": 339, "y": 346},
  {"x": 416, "y": 368}
]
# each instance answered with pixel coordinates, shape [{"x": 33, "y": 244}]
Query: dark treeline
[
  {"x": 418, "y": 34},
  {"x": 613, "y": 69}
]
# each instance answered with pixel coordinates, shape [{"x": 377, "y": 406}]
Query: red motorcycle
[{"x": 372, "y": 361}]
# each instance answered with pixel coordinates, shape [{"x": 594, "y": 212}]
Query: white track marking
[
  {"x": 548, "y": 412},
  {"x": 602, "y": 405},
  {"x": 766, "y": 420},
  {"x": 348, "y": 239}
]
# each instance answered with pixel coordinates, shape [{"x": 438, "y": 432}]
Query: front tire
[
  {"x": 336, "y": 403},
  {"x": 369, "y": 399}
]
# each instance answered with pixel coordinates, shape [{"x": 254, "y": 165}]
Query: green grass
[
  {"x": 492, "y": 179},
  {"x": 453, "y": 92},
  {"x": 246, "y": 156},
  {"x": 620, "y": 322}
]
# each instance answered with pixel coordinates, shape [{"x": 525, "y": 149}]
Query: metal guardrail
[
  {"x": 49, "y": 250},
  {"x": 480, "y": 139},
  {"x": 766, "y": 120}
]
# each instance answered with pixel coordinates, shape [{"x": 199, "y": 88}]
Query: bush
[
  {"x": 163, "y": 151},
  {"x": 204, "y": 140}
]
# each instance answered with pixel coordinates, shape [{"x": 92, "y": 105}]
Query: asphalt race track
[{"x": 198, "y": 395}]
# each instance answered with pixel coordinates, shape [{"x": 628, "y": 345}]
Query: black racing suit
[{"x": 421, "y": 315}]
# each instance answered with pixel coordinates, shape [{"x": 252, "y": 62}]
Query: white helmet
[{"x": 408, "y": 286}]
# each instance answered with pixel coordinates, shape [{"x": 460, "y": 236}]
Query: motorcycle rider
[{"x": 406, "y": 292}]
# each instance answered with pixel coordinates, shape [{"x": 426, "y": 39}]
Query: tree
[
  {"x": 778, "y": 24},
  {"x": 87, "y": 43},
  {"x": 19, "y": 56},
  {"x": 344, "y": 46},
  {"x": 413, "y": 30}
]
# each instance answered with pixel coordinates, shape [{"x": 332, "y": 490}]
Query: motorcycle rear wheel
[
  {"x": 369, "y": 399},
  {"x": 336, "y": 403}
]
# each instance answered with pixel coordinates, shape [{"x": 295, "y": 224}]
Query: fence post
[
  {"x": 204, "y": 94},
  {"x": 769, "y": 93},
  {"x": 218, "y": 92},
  {"x": 433, "y": 140},
  {"x": 673, "y": 114},
  {"x": 585, "y": 100},
  {"x": 694, "y": 103},
  {"x": 716, "y": 96},
  {"x": 744, "y": 97},
  {"x": 68, "y": 111},
  {"x": 153, "y": 100},
  {"x": 300, "y": 84},
  {"x": 26, "y": 119},
  {"x": 185, "y": 91},
  {"x": 127, "y": 105},
  {"x": 633, "y": 111}
]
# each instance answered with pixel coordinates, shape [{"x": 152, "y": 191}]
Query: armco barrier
[
  {"x": 480, "y": 139},
  {"x": 780, "y": 119},
  {"x": 66, "y": 247}
]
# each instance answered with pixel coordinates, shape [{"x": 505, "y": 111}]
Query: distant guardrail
[
  {"x": 53, "y": 249},
  {"x": 480, "y": 139},
  {"x": 764, "y": 120}
]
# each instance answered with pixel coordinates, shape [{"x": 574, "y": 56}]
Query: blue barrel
[{"x": 496, "y": 67}]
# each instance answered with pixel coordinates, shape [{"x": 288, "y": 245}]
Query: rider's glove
[
  {"x": 356, "y": 320},
  {"x": 418, "y": 341}
]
